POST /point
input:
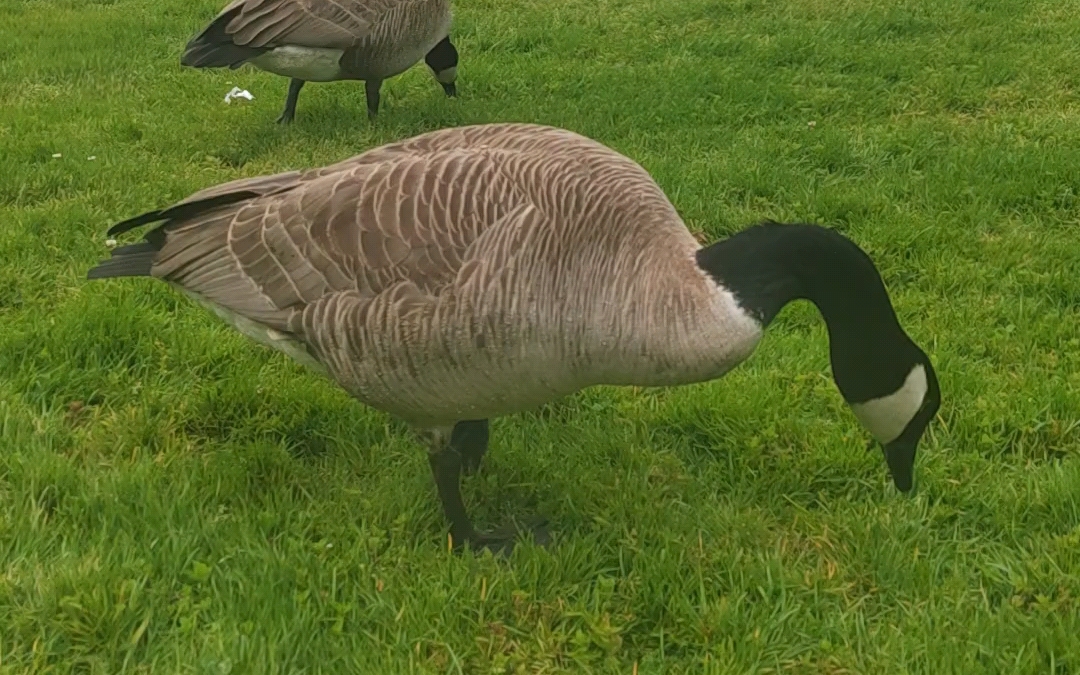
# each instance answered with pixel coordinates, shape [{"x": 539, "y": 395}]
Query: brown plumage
[
  {"x": 432, "y": 277},
  {"x": 478, "y": 271},
  {"x": 326, "y": 40}
]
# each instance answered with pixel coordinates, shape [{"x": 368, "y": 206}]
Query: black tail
[
  {"x": 136, "y": 260},
  {"x": 214, "y": 47},
  {"x": 127, "y": 261}
]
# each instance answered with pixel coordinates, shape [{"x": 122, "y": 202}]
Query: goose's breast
[{"x": 402, "y": 39}]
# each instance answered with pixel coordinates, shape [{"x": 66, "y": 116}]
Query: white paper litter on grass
[{"x": 237, "y": 92}]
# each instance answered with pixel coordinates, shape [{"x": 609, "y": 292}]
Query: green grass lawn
[{"x": 176, "y": 499}]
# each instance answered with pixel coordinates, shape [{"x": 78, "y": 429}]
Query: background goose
[
  {"x": 327, "y": 40},
  {"x": 478, "y": 271}
]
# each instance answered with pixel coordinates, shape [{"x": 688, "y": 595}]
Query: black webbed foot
[
  {"x": 501, "y": 540},
  {"x": 450, "y": 452}
]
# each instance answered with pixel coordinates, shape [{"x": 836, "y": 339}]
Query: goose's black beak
[{"x": 900, "y": 456}]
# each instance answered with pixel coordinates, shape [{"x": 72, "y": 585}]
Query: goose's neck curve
[{"x": 767, "y": 266}]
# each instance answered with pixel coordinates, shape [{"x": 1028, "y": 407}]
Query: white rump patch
[
  {"x": 312, "y": 64},
  {"x": 258, "y": 332},
  {"x": 888, "y": 416}
]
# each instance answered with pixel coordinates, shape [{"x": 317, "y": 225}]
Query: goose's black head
[
  {"x": 882, "y": 374},
  {"x": 443, "y": 61}
]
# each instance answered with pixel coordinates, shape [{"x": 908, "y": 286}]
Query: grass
[{"x": 175, "y": 499}]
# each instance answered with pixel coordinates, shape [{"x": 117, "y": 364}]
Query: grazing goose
[
  {"x": 328, "y": 40},
  {"x": 478, "y": 271}
]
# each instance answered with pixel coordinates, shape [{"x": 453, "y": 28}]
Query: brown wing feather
[
  {"x": 331, "y": 24},
  {"x": 407, "y": 211},
  {"x": 372, "y": 344},
  {"x": 363, "y": 228}
]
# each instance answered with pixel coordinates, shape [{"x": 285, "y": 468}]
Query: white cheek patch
[
  {"x": 888, "y": 416},
  {"x": 447, "y": 75}
]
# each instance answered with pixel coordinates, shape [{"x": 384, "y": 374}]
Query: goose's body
[
  {"x": 329, "y": 40},
  {"x": 467, "y": 263},
  {"x": 479, "y": 271}
]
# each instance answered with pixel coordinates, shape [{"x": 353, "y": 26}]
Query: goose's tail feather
[
  {"x": 214, "y": 47},
  {"x": 126, "y": 261}
]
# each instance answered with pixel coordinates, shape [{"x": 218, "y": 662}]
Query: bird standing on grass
[
  {"x": 479, "y": 271},
  {"x": 329, "y": 40}
]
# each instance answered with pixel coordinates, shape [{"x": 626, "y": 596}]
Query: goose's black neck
[{"x": 767, "y": 266}]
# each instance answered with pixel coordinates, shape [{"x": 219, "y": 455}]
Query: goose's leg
[
  {"x": 371, "y": 90},
  {"x": 447, "y": 457},
  {"x": 289, "y": 112},
  {"x": 471, "y": 439},
  {"x": 446, "y": 461},
  {"x": 446, "y": 468}
]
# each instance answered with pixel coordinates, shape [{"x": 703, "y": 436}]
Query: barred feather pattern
[{"x": 465, "y": 273}]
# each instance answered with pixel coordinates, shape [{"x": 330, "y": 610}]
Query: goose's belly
[
  {"x": 441, "y": 395},
  {"x": 487, "y": 384},
  {"x": 435, "y": 392},
  {"x": 438, "y": 377},
  {"x": 445, "y": 411},
  {"x": 303, "y": 63}
]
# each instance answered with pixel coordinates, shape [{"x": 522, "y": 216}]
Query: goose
[
  {"x": 329, "y": 40},
  {"x": 478, "y": 271}
]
